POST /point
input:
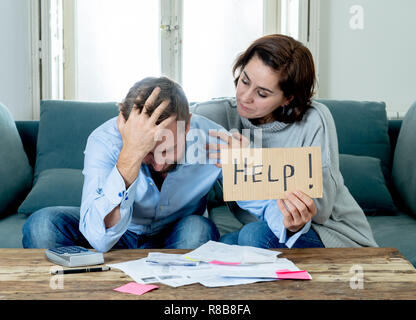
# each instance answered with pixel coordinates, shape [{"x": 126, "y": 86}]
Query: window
[
  {"x": 120, "y": 42},
  {"x": 290, "y": 18},
  {"x": 214, "y": 33},
  {"x": 117, "y": 45},
  {"x": 56, "y": 47},
  {"x": 108, "y": 44}
]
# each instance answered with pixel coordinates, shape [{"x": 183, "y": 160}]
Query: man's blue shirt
[{"x": 144, "y": 208}]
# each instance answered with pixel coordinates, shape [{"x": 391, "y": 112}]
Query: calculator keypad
[{"x": 69, "y": 250}]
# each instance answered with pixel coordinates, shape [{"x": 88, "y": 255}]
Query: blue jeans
[
  {"x": 59, "y": 226},
  {"x": 258, "y": 234}
]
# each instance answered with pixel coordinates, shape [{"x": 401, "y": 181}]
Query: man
[{"x": 142, "y": 185}]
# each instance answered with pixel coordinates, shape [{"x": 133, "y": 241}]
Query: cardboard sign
[{"x": 263, "y": 174}]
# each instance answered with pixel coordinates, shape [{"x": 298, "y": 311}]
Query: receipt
[{"x": 226, "y": 253}]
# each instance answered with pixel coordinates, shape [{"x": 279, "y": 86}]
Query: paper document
[
  {"x": 217, "y": 281},
  {"x": 213, "y": 264},
  {"x": 170, "y": 259},
  {"x": 144, "y": 272},
  {"x": 265, "y": 270},
  {"x": 218, "y": 252}
]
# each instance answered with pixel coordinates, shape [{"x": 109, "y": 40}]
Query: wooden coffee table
[{"x": 25, "y": 274}]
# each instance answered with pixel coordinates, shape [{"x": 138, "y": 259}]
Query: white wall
[
  {"x": 15, "y": 69},
  {"x": 375, "y": 63}
]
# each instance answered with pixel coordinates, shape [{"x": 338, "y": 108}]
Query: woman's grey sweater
[{"x": 340, "y": 222}]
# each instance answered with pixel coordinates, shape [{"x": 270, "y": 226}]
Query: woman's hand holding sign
[
  {"x": 236, "y": 140},
  {"x": 298, "y": 209}
]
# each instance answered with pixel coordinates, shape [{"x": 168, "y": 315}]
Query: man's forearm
[
  {"x": 112, "y": 218},
  {"x": 129, "y": 168}
]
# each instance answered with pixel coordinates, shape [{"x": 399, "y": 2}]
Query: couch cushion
[
  {"x": 364, "y": 179},
  {"x": 362, "y": 129},
  {"x": 224, "y": 219},
  {"x": 404, "y": 164},
  {"x": 396, "y": 232},
  {"x": 15, "y": 171},
  {"x": 11, "y": 231},
  {"x": 54, "y": 187},
  {"x": 63, "y": 131}
]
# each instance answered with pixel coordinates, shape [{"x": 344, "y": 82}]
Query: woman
[{"x": 274, "y": 81}]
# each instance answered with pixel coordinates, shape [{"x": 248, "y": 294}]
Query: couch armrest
[
  {"x": 394, "y": 130},
  {"x": 28, "y": 131}
]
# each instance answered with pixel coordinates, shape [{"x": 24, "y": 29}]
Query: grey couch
[{"x": 42, "y": 163}]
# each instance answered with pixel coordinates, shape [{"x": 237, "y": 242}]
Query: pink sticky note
[
  {"x": 136, "y": 288},
  {"x": 226, "y": 263},
  {"x": 296, "y": 275},
  {"x": 288, "y": 271}
]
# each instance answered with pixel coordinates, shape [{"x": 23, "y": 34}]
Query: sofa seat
[
  {"x": 395, "y": 231},
  {"x": 11, "y": 230}
]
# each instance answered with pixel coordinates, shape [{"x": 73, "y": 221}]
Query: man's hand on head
[{"x": 140, "y": 134}]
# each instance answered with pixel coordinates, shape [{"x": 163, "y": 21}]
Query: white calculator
[{"x": 74, "y": 256}]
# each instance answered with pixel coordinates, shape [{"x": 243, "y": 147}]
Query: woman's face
[{"x": 258, "y": 93}]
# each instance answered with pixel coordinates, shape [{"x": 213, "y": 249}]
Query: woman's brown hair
[{"x": 294, "y": 63}]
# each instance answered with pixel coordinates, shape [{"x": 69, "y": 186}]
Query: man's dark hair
[{"x": 169, "y": 90}]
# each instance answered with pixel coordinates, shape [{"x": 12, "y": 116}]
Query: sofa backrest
[
  {"x": 28, "y": 131},
  {"x": 362, "y": 129},
  {"x": 15, "y": 171},
  {"x": 394, "y": 130},
  {"x": 404, "y": 166},
  {"x": 64, "y": 128}
]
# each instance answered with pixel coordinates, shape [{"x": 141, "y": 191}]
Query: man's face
[{"x": 169, "y": 149}]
